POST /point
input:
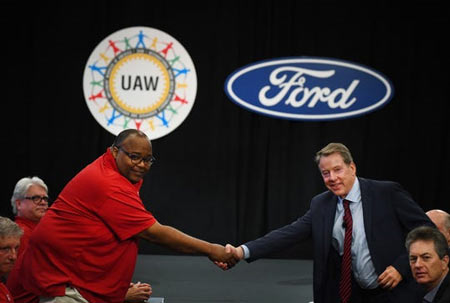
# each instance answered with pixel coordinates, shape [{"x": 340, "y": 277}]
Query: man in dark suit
[
  {"x": 358, "y": 229},
  {"x": 428, "y": 257}
]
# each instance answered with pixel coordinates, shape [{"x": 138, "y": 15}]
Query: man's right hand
[{"x": 237, "y": 252}]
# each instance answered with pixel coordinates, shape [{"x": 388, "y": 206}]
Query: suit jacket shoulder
[
  {"x": 379, "y": 184},
  {"x": 324, "y": 197}
]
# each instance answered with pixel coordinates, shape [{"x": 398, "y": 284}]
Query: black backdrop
[{"x": 226, "y": 174}]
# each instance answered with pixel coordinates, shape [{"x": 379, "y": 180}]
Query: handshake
[{"x": 226, "y": 257}]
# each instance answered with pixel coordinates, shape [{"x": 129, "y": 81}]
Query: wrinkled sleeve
[{"x": 124, "y": 213}]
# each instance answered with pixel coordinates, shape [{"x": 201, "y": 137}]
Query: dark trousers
[
  {"x": 359, "y": 295},
  {"x": 408, "y": 291},
  {"x": 378, "y": 295}
]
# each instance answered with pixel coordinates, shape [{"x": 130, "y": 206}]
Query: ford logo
[{"x": 308, "y": 88}]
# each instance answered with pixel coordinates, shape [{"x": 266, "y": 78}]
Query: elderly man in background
[
  {"x": 29, "y": 203},
  {"x": 10, "y": 234}
]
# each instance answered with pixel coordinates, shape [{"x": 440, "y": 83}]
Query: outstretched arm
[{"x": 179, "y": 241}]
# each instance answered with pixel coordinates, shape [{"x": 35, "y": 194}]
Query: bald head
[
  {"x": 125, "y": 134},
  {"x": 442, "y": 221}
]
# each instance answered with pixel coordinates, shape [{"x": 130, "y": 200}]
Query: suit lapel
[
  {"x": 367, "y": 205},
  {"x": 329, "y": 212},
  {"x": 442, "y": 288}
]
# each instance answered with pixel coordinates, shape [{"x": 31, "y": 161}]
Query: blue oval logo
[{"x": 308, "y": 88}]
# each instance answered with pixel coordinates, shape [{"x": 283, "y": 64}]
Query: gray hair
[
  {"x": 9, "y": 228},
  {"x": 427, "y": 233},
  {"x": 22, "y": 187}
]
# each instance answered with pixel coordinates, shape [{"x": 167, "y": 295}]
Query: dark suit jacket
[
  {"x": 389, "y": 214},
  {"x": 443, "y": 294}
]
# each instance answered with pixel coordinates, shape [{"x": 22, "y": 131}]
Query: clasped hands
[
  {"x": 226, "y": 257},
  {"x": 138, "y": 292}
]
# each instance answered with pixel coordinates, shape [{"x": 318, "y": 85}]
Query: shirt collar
[
  {"x": 354, "y": 194},
  {"x": 26, "y": 222}
]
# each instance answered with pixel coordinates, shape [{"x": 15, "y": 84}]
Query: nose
[
  {"x": 143, "y": 165},
  {"x": 417, "y": 263},
  {"x": 12, "y": 254},
  {"x": 332, "y": 176}
]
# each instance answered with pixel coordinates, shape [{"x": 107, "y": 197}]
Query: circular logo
[{"x": 142, "y": 78}]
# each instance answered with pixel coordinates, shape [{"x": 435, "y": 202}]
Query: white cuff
[{"x": 246, "y": 251}]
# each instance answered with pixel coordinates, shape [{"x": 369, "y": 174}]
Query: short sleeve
[{"x": 124, "y": 213}]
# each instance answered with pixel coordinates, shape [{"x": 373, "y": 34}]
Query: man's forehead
[
  {"x": 134, "y": 140},
  {"x": 35, "y": 187},
  {"x": 333, "y": 159},
  {"x": 334, "y": 156},
  {"x": 9, "y": 239},
  {"x": 422, "y": 247}
]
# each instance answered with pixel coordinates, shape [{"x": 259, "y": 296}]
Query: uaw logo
[
  {"x": 142, "y": 78},
  {"x": 308, "y": 88}
]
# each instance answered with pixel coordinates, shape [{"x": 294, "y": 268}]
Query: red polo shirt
[
  {"x": 27, "y": 226},
  {"x": 86, "y": 237},
  {"x": 5, "y": 296},
  {"x": 14, "y": 282}
]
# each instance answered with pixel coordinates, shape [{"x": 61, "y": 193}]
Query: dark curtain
[{"x": 228, "y": 175}]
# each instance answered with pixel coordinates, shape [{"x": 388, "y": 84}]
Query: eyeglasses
[
  {"x": 37, "y": 199},
  {"x": 136, "y": 159}
]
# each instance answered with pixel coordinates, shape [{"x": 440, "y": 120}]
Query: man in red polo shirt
[
  {"x": 10, "y": 234},
  {"x": 29, "y": 203},
  {"x": 85, "y": 247}
]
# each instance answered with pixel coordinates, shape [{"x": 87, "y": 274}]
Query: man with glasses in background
[{"x": 29, "y": 203}]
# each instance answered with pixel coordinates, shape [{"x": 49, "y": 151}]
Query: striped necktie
[{"x": 345, "y": 286}]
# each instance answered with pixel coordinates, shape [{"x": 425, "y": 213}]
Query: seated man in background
[
  {"x": 29, "y": 203},
  {"x": 10, "y": 234},
  {"x": 428, "y": 257},
  {"x": 442, "y": 221}
]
